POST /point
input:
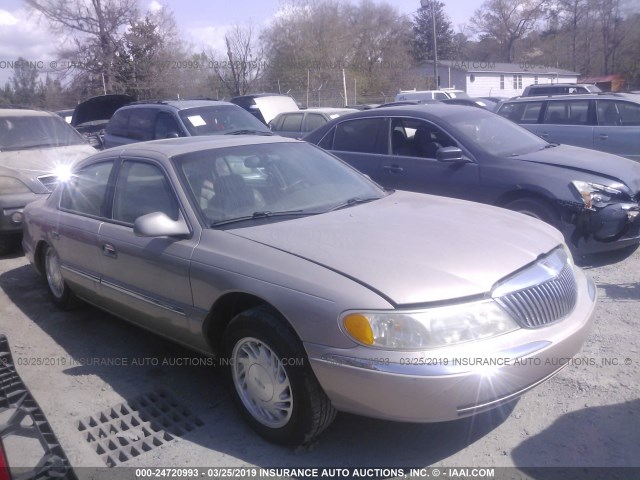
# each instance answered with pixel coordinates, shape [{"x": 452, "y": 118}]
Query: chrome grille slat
[{"x": 545, "y": 303}]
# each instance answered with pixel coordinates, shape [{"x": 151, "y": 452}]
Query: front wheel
[
  {"x": 536, "y": 208},
  {"x": 60, "y": 293},
  {"x": 271, "y": 380}
]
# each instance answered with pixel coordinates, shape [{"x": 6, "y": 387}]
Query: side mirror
[
  {"x": 450, "y": 154},
  {"x": 158, "y": 224}
]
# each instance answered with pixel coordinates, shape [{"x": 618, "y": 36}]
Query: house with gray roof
[{"x": 487, "y": 78}]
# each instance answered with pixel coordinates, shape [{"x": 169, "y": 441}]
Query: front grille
[{"x": 544, "y": 303}]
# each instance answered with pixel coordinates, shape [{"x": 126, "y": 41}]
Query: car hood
[
  {"x": 99, "y": 108},
  {"x": 412, "y": 248},
  {"x": 32, "y": 163},
  {"x": 591, "y": 161}
]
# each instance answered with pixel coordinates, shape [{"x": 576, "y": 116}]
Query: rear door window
[
  {"x": 85, "y": 192},
  {"x": 365, "y": 135},
  {"x": 142, "y": 124},
  {"x": 522, "y": 112},
  {"x": 567, "y": 112},
  {"x": 292, "y": 122}
]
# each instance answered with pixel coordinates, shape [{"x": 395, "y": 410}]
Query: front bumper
[
  {"x": 601, "y": 228},
  {"x": 421, "y": 387},
  {"x": 11, "y": 207}
]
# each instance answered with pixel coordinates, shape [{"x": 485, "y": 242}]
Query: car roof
[
  {"x": 23, "y": 112},
  {"x": 578, "y": 96},
  {"x": 425, "y": 110},
  {"x": 178, "y": 146},
  {"x": 177, "y": 104}
]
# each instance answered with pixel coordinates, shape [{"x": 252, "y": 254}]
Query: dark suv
[
  {"x": 558, "y": 89},
  {"x": 142, "y": 121}
]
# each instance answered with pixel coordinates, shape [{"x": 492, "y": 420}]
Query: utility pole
[{"x": 432, "y": 4}]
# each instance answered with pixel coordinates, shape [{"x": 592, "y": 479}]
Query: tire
[
  {"x": 536, "y": 208},
  {"x": 255, "y": 342},
  {"x": 59, "y": 292},
  {"x": 9, "y": 244}
]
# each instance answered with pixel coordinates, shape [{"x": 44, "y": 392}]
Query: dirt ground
[{"x": 587, "y": 416}]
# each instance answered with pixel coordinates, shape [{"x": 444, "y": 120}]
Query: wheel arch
[
  {"x": 226, "y": 308},
  {"x": 38, "y": 256}
]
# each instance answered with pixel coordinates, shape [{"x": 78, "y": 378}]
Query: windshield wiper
[
  {"x": 353, "y": 201},
  {"x": 248, "y": 132},
  {"x": 259, "y": 215}
]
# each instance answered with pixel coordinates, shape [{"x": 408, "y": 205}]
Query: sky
[{"x": 203, "y": 23}]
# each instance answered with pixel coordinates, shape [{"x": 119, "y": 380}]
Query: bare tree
[
  {"x": 95, "y": 26},
  {"x": 243, "y": 63},
  {"x": 507, "y": 21}
]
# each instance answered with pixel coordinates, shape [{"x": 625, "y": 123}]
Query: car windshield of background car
[
  {"x": 214, "y": 120},
  {"x": 25, "y": 132}
]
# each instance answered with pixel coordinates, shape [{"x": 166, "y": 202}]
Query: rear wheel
[
  {"x": 59, "y": 291},
  {"x": 271, "y": 380}
]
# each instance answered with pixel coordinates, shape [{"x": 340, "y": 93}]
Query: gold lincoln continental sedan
[{"x": 316, "y": 289}]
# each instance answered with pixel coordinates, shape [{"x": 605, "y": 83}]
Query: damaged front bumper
[{"x": 601, "y": 226}]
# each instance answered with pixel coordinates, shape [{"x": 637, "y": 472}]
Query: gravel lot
[{"x": 588, "y": 415}]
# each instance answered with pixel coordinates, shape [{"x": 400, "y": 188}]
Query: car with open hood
[
  {"x": 35, "y": 147},
  {"x": 470, "y": 153},
  {"x": 317, "y": 290},
  {"x": 91, "y": 116}
]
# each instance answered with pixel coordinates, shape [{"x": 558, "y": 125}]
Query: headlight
[
  {"x": 10, "y": 185},
  {"x": 429, "y": 328},
  {"x": 591, "y": 193}
]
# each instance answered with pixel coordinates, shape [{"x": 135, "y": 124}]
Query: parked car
[
  {"x": 67, "y": 114},
  {"x": 300, "y": 122},
  {"x": 318, "y": 290},
  {"x": 265, "y": 106},
  {"x": 609, "y": 122},
  {"x": 469, "y": 153},
  {"x": 430, "y": 94},
  {"x": 471, "y": 102},
  {"x": 91, "y": 116},
  {"x": 559, "y": 89},
  {"x": 143, "y": 121},
  {"x": 35, "y": 147},
  {"x": 25, "y": 432}
]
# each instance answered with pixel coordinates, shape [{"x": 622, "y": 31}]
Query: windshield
[
  {"x": 493, "y": 134},
  {"x": 30, "y": 131},
  {"x": 273, "y": 179},
  {"x": 219, "y": 119}
]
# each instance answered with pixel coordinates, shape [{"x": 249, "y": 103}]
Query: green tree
[
  {"x": 24, "y": 83},
  {"x": 422, "y": 44}
]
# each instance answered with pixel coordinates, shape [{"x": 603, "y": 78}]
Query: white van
[{"x": 430, "y": 94}]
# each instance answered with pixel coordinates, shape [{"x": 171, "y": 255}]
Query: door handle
[
  {"x": 603, "y": 136},
  {"x": 109, "y": 250},
  {"x": 393, "y": 168}
]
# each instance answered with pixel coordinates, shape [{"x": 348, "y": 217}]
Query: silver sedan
[{"x": 317, "y": 290}]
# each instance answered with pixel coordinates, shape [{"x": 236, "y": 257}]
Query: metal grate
[
  {"x": 138, "y": 426},
  {"x": 24, "y": 429},
  {"x": 545, "y": 303}
]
